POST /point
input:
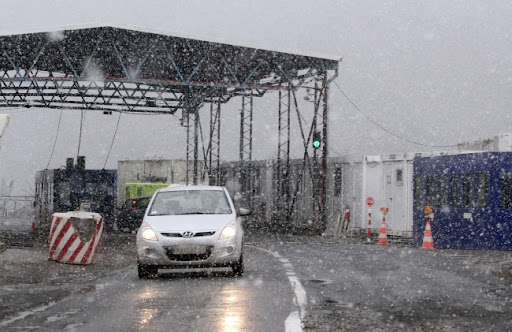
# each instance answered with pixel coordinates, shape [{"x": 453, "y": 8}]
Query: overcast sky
[{"x": 433, "y": 72}]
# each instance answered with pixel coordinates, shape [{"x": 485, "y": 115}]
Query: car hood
[{"x": 191, "y": 222}]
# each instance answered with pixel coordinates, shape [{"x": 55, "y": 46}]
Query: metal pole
[
  {"x": 369, "y": 239},
  {"x": 324, "y": 153},
  {"x": 250, "y": 155},
  {"x": 217, "y": 165},
  {"x": 185, "y": 113},
  {"x": 242, "y": 166},
  {"x": 196, "y": 140}
]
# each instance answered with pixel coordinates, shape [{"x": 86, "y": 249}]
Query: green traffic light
[{"x": 317, "y": 139}]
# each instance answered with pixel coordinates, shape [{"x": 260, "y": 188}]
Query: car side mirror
[{"x": 243, "y": 212}]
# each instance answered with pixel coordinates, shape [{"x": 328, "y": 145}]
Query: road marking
[{"x": 293, "y": 322}]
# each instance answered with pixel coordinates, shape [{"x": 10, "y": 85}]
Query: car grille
[
  {"x": 198, "y": 234},
  {"x": 188, "y": 257}
]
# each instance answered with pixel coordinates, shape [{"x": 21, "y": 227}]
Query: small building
[
  {"x": 64, "y": 190},
  {"x": 388, "y": 180},
  {"x": 498, "y": 143},
  {"x": 471, "y": 196}
]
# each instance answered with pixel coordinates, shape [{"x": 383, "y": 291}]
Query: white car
[{"x": 190, "y": 226}]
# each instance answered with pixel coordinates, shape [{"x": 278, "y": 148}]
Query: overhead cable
[
  {"x": 55, "y": 142},
  {"x": 386, "y": 130},
  {"x": 113, "y": 139}
]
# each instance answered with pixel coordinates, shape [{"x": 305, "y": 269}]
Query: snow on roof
[{"x": 30, "y": 30}]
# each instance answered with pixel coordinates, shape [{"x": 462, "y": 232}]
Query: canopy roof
[{"x": 87, "y": 65}]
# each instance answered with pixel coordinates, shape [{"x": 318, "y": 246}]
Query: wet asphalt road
[
  {"x": 108, "y": 295},
  {"x": 349, "y": 285}
]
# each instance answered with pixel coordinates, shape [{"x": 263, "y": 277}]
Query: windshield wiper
[{"x": 192, "y": 213}]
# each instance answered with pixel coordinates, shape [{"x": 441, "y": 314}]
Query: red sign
[{"x": 370, "y": 201}]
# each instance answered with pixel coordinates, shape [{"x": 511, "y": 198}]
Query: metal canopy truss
[
  {"x": 109, "y": 68},
  {"x": 116, "y": 69}
]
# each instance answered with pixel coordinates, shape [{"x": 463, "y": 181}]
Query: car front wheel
[{"x": 238, "y": 267}]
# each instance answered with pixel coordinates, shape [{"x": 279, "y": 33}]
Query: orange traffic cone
[
  {"x": 428, "y": 241},
  {"x": 383, "y": 238}
]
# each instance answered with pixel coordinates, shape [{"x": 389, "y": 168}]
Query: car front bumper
[{"x": 163, "y": 253}]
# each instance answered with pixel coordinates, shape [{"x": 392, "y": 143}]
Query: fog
[{"x": 436, "y": 73}]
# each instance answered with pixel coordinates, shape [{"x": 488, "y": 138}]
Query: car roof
[{"x": 177, "y": 187}]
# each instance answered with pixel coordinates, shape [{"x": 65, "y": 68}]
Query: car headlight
[
  {"x": 229, "y": 231},
  {"x": 148, "y": 233}
]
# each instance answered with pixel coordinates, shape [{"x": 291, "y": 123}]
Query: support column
[
  {"x": 246, "y": 117},
  {"x": 282, "y": 167},
  {"x": 320, "y": 155},
  {"x": 191, "y": 121},
  {"x": 325, "y": 150},
  {"x": 214, "y": 145}
]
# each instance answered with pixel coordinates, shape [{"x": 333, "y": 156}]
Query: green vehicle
[
  {"x": 137, "y": 197},
  {"x": 142, "y": 189}
]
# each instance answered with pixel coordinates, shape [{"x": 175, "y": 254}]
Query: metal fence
[{"x": 17, "y": 206}]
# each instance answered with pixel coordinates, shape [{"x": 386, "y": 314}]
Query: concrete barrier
[{"x": 75, "y": 237}]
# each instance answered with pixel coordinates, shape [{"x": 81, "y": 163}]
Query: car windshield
[{"x": 190, "y": 202}]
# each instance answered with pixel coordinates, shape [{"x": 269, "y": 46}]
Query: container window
[
  {"x": 90, "y": 188},
  {"x": 399, "y": 177},
  {"x": 337, "y": 181},
  {"x": 431, "y": 190},
  {"x": 444, "y": 190},
  {"x": 64, "y": 190},
  {"x": 482, "y": 190},
  {"x": 506, "y": 190},
  {"x": 419, "y": 194},
  {"x": 256, "y": 181},
  {"x": 469, "y": 191},
  {"x": 456, "y": 190}
]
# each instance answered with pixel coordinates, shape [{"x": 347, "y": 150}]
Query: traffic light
[{"x": 317, "y": 139}]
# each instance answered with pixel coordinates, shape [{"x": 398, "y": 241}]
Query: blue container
[{"x": 472, "y": 199}]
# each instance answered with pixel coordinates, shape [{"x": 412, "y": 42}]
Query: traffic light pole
[{"x": 325, "y": 141}]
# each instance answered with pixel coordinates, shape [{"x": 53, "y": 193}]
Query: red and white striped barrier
[{"x": 75, "y": 237}]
